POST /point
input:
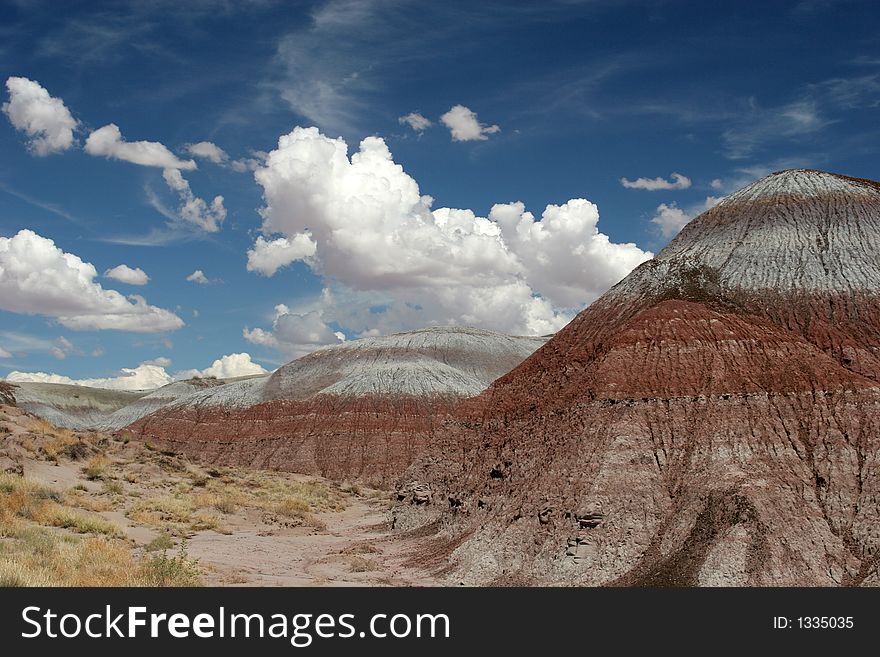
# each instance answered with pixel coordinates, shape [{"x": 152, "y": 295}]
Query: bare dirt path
[{"x": 356, "y": 549}]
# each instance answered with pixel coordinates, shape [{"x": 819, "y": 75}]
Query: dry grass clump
[
  {"x": 96, "y": 504},
  {"x": 55, "y": 442},
  {"x": 96, "y": 468},
  {"x": 39, "y": 558},
  {"x": 22, "y": 499},
  {"x": 34, "y": 552},
  {"x": 354, "y": 562},
  {"x": 161, "y": 542},
  {"x": 227, "y": 490},
  {"x": 299, "y": 510},
  {"x": 177, "y": 515},
  {"x": 264, "y": 490},
  {"x": 226, "y": 504},
  {"x": 169, "y": 509},
  {"x": 55, "y": 515}
]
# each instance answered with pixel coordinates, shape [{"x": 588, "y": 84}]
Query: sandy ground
[
  {"x": 351, "y": 547},
  {"x": 355, "y": 550}
]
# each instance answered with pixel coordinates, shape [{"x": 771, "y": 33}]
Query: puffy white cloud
[
  {"x": 266, "y": 257},
  {"x": 36, "y": 277},
  {"x": 566, "y": 257},
  {"x": 464, "y": 126},
  {"x": 193, "y": 209},
  {"x": 125, "y": 274},
  {"x": 295, "y": 333},
  {"x": 108, "y": 141},
  {"x": 394, "y": 263},
  {"x": 671, "y": 219},
  {"x": 198, "y": 277},
  {"x": 415, "y": 121},
  {"x": 208, "y": 151},
  {"x": 653, "y": 184},
  {"x": 45, "y": 119},
  {"x": 717, "y": 183},
  {"x": 142, "y": 377},
  {"x": 226, "y": 367},
  {"x": 150, "y": 374}
]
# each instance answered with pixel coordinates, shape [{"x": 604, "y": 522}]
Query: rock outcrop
[
  {"x": 359, "y": 410},
  {"x": 7, "y": 394},
  {"x": 713, "y": 419}
]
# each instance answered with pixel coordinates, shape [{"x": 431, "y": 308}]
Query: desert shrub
[
  {"x": 113, "y": 488},
  {"x": 292, "y": 507},
  {"x": 78, "y": 450},
  {"x": 226, "y": 504},
  {"x": 41, "y": 559},
  {"x": 96, "y": 468},
  {"x": 161, "y": 542},
  {"x": 176, "y": 570}
]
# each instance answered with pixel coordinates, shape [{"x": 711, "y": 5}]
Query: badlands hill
[
  {"x": 70, "y": 406},
  {"x": 84, "y": 408},
  {"x": 360, "y": 410},
  {"x": 713, "y": 419}
]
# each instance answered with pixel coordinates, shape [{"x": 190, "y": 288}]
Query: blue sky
[{"x": 583, "y": 94}]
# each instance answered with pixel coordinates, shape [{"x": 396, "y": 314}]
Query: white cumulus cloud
[
  {"x": 266, "y": 257},
  {"x": 295, "y": 333},
  {"x": 464, "y": 126},
  {"x": 226, "y": 367},
  {"x": 208, "y": 151},
  {"x": 36, "y": 277},
  {"x": 671, "y": 218},
  {"x": 196, "y": 211},
  {"x": 393, "y": 262},
  {"x": 415, "y": 121},
  {"x": 43, "y": 118},
  {"x": 149, "y": 375},
  {"x": 198, "y": 276},
  {"x": 108, "y": 142},
  {"x": 142, "y": 377},
  {"x": 678, "y": 181},
  {"x": 125, "y": 274}
]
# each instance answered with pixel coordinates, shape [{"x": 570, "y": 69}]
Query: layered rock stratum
[
  {"x": 359, "y": 410},
  {"x": 713, "y": 419}
]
